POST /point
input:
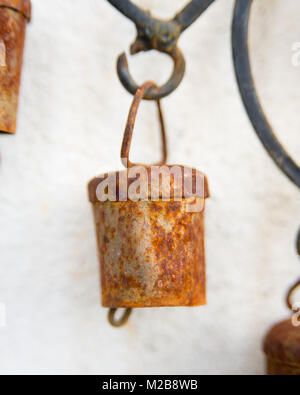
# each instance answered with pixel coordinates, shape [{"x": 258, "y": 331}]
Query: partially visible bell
[
  {"x": 151, "y": 252},
  {"x": 282, "y": 349},
  {"x": 14, "y": 16}
]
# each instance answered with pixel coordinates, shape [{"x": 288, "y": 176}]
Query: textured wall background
[{"x": 71, "y": 119}]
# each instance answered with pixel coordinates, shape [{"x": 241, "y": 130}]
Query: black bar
[{"x": 249, "y": 95}]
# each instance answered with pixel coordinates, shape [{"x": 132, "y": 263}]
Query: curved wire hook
[
  {"x": 295, "y": 286},
  {"x": 140, "y": 93},
  {"x": 289, "y": 301},
  {"x": 247, "y": 89},
  {"x": 122, "y": 321}
]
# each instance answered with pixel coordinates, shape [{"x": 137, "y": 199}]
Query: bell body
[
  {"x": 14, "y": 16},
  {"x": 282, "y": 349},
  {"x": 151, "y": 252}
]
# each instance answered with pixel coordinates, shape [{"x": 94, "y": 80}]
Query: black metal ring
[
  {"x": 247, "y": 89},
  {"x": 154, "y": 93}
]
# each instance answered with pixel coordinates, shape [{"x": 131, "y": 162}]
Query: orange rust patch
[
  {"x": 12, "y": 34},
  {"x": 151, "y": 254}
]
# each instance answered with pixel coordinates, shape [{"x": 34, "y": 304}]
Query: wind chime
[
  {"x": 146, "y": 258},
  {"x": 151, "y": 234}
]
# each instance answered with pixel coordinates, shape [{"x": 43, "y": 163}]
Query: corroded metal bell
[
  {"x": 282, "y": 349},
  {"x": 282, "y": 343},
  {"x": 150, "y": 230},
  {"x": 14, "y": 15}
]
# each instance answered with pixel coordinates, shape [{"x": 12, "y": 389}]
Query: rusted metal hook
[
  {"x": 160, "y": 35},
  {"x": 122, "y": 321},
  {"x": 140, "y": 93},
  {"x": 297, "y": 285},
  {"x": 289, "y": 301},
  {"x": 250, "y": 98}
]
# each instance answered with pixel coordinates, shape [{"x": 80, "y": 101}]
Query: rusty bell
[
  {"x": 282, "y": 349},
  {"x": 14, "y": 15},
  {"x": 151, "y": 251},
  {"x": 282, "y": 343}
]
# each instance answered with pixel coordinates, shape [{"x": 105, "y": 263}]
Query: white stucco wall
[{"x": 71, "y": 119}]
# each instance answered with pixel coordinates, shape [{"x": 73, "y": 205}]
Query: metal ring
[
  {"x": 141, "y": 92},
  {"x": 155, "y": 93},
  {"x": 122, "y": 321},
  {"x": 247, "y": 89}
]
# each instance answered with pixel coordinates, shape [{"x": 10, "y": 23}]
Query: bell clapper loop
[{"x": 122, "y": 321}]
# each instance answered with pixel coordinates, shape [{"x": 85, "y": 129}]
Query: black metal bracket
[
  {"x": 161, "y": 35},
  {"x": 249, "y": 96}
]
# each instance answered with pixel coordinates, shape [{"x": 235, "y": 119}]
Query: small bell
[
  {"x": 282, "y": 348},
  {"x": 150, "y": 231},
  {"x": 14, "y": 15},
  {"x": 282, "y": 343}
]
